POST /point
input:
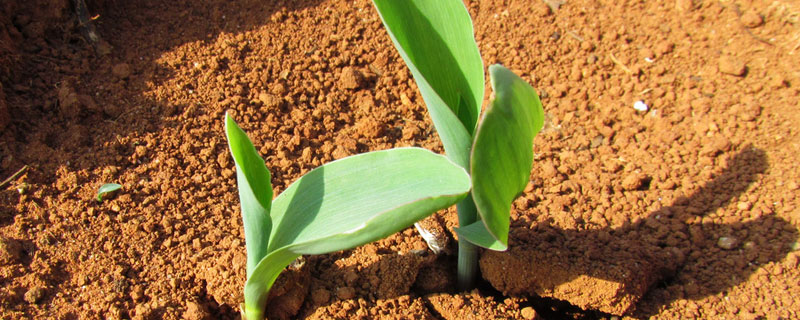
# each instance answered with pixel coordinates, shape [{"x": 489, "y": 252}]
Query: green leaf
[
  {"x": 255, "y": 193},
  {"x": 363, "y": 198},
  {"x": 502, "y": 153},
  {"x": 107, "y": 188},
  {"x": 435, "y": 39},
  {"x": 477, "y": 234},
  {"x": 354, "y": 201}
]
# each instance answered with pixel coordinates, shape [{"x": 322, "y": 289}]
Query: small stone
[
  {"x": 731, "y": 65},
  {"x": 751, "y": 19},
  {"x": 639, "y": 105},
  {"x": 634, "y": 181},
  {"x": 34, "y": 295},
  {"x": 748, "y": 112},
  {"x": 549, "y": 170},
  {"x": 727, "y": 243},
  {"x": 269, "y": 100},
  {"x": 665, "y": 47},
  {"x": 121, "y": 71},
  {"x": 346, "y": 293},
  {"x": 351, "y": 78},
  {"x": 528, "y": 313},
  {"x": 597, "y": 141},
  {"x": 744, "y": 205}
]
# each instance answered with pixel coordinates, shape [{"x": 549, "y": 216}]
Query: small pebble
[
  {"x": 665, "y": 47},
  {"x": 731, "y": 65},
  {"x": 634, "y": 181},
  {"x": 350, "y": 78},
  {"x": 33, "y": 295},
  {"x": 727, "y": 243},
  {"x": 640, "y": 106},
  {"x": 752, "y": 20},
  {"x": 528, "y": 313}
]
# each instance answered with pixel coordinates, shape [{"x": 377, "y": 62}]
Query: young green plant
[
  {"x": 337, "y": 206},
  {"x": 105, "y": 189},
  {"x": 436, "y": 41}
]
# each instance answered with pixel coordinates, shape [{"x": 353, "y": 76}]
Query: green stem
[
  {"x": 467, "y": 252},
  {"x": 251, "y": 313}
]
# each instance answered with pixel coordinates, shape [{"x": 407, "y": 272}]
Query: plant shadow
[{"x": 683, "y": 244}]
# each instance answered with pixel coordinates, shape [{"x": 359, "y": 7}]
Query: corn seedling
[
  {"x": 436, "y": 41},
  {"x": 337, "y": 206},
  {"x": 107, "y": 188}
]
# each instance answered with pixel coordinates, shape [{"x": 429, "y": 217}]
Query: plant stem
[
  {"x": 467, "y": 252},
  {"x": 251, "y": 313}
]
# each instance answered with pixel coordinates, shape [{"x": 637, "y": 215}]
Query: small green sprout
[
  {"x": 107, "y": 188},
  {"x": 337, "y": 206},
  {"x": 435, "y": 39}
]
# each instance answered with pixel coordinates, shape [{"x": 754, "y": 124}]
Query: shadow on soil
[
  {"x": 70, "y": 108},
  {"x": 76, "y": 112},
  {"x": 676, "y": 250}
]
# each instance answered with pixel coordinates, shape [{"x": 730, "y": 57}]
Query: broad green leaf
[
  {"x": 354, "y": 201},
  {"x": 435, "y": 39},
  {"x": 107, "y": 188},
  {"x": 255, "y": 193},
  {"x": 502, "y": 153},
  {"x": 477, "y": 234},
  {"x": 363, "y": 198}
]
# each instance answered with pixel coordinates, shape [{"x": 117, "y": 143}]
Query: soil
[{"x": 688, "y": 209}]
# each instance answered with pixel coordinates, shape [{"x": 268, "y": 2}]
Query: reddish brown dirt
[{"x": 687, "y": 210}]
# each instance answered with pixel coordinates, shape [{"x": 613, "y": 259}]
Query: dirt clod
[
  {"x": 195, "y": 311},
  {"x": 345, "y": 293},
  {"x": 528, "y": 313},
  {"x": 122, "y": 70},
  {"x": 10, "y": 251},
  {"x": 731, "y": 65},
  {"x": 634, "y": 181},
  {"x": 320, "y": 296},
  {"x": 34, "y": 295},
  {"x": 351, "y": 78},
  {"x": 751, "y": 19}
]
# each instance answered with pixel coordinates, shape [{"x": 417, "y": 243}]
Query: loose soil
[{"x": 689, "y": 209}]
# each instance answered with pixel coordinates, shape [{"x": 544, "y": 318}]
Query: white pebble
[
  {"x": 640, "y": 106},
  {"x": 727, "y": 243}
]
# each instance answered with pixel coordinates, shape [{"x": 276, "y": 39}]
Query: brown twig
[
  {"x": 13, "y": 176},
  {"x": 614, "y": 59},
  {"x": 574, "y": 35}
]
